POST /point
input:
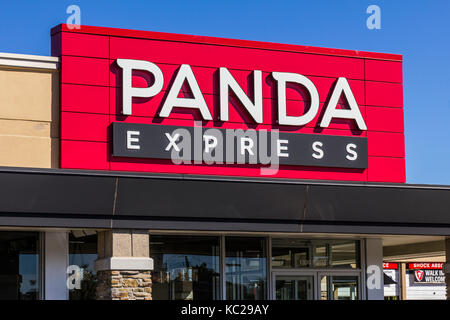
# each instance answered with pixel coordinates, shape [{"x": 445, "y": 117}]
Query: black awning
[{"x": 52, "y": 197}]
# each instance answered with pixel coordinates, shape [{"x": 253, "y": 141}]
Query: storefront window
[
  {"x": 290, "y": 253},
  {"x": 245, "y": 268},
  {"x": 321, "y": 254},
  {"x": 344, "y": 254},
  {"x": 300, "y": 253},
  {"x": 19, "y": 267},
  {"x": 82, "y": 277},
  {"x": 185, "y": 267},
  {"x": 339, "y": 287}
]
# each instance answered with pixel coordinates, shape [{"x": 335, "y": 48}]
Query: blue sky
[{"x": 419, "y": 30}]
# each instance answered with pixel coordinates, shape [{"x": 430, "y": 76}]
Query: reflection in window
[
  {"x": 19, "y": 267},
  {"x": 245, "y": 268},
  {"x": 291, "y": 253},
  {"x": 185, "y": 267},
  {"x": 339, "y": 287},
  {"x": 294, "y": 288},
  {"x": 320, "y": 256},
  {"x": 345, "y": 254},
  {"x": 82, "y": 277},
  {"x": 300, "y": 253}
]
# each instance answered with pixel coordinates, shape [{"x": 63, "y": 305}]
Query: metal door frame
[{"x": 317, "y": 275}]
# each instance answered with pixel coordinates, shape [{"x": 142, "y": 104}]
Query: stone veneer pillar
[{"x": 123, "y": 265}]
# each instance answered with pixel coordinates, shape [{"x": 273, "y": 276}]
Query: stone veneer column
[
  {"x": 446, "y": 267},
  {"x": 123, "y": 265}
]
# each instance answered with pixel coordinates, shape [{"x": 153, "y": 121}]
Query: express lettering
[
  {"x": 217, "y": 145},
  {"x": 227, "y": 83}
]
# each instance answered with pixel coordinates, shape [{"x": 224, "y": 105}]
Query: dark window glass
[
  {"x": 344, "y": 254},
  {"x": 81, "y": 273},
  {"x": 300, "y": 253},
  {"x": 245, "y": 268},
  {"x": 291, "y": 253},
  {"x": 320, "y": 254},
  {"x": 185, "y": 267},
  {"x": 339, "y": 288},
  {"x": 19, "y": 265},
  {"x": 294, "y": 288}
]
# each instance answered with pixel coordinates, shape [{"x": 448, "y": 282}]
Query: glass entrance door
[
  {"x": 315, "y": 285},
  {"x": 289, "y": 287},
  {"x": 339, "y": 287}
]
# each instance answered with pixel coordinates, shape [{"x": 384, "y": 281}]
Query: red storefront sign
[
  {"x": 390, "y": 265},
  {"x": 425, "y": 265},
  {"x": 427, "y": 272},
  {"x": 92, "y": 99}
]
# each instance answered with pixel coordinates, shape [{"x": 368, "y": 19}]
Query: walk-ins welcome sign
[{"x": 155, "y": 102}]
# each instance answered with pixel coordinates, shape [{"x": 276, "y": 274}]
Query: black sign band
[{"x": 235, "y": 146}]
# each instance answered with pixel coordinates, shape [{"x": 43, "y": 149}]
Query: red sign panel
[
  {"x": 425, "y": 265},
  {"x": 93, "y": 97},
  {"x": 390, "y": 265}
]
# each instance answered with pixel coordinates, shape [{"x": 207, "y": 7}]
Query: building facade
[{"x": 98, "y": 201}]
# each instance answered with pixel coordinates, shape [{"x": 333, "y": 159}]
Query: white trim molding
[
  {"x": 124, "y": 263},
  {"x": 29, "y": 61}
]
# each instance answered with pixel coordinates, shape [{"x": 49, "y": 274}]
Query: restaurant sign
[{"x": 167, "y": 103}]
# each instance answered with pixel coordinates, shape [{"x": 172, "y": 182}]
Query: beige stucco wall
[{"x": 29, "y": 117}]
